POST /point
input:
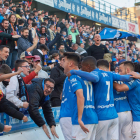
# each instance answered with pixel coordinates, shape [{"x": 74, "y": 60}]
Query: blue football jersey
[
  {"x": 104, "y": 99},
  {"x": 120, "y": 101},
  {"x": 103, "y": 89},
  {"x": 134, "y": 98},
  {"x": 89, "y": 114},
  {"x": 65, "y": 110}
]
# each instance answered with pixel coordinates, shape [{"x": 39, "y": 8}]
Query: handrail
[{"x": 111, "y": 9}]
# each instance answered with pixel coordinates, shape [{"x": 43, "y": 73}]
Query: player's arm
[
  {"x": 124, "y": 78},
  {"x": 80, "y": 106},
  {"x": 93, "y": 76},
  {"x": 135, "y": 75},
  {"x": 120, "y": 87},
  {"x": 80, "y": 103}
]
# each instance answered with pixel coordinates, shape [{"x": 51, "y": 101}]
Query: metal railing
[{"x": 106, "y": 7}]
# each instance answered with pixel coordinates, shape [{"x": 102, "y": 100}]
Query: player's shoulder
[
  {"x": 104, "y": 73},
  {"x": 74, "y": 78},
  {"x": 133, "y": 82}
]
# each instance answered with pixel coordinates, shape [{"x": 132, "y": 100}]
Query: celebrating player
[
  {"x": 133, "y": 94},
  {"x": 84, "y": 117},
  {"x": 104, "y": 100}
]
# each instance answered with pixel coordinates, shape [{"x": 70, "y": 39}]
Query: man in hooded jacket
[{"x": 39, "y": 92}]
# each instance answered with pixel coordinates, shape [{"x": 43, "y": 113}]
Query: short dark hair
[
  {"x": 5, "y": 20},
  {"x": 90, "y": 60},
  {"x": 137, "y": 67},
  {"x": 3, "y": 46},
  {"x": 102, "y": 62},
  {"x": 43, "y": 24},
  {"x": 21, "y": 21},
  {"x": 18, "y": 63},
  {"x": 23, "y": 29},
  {"x": 43, "y": 47},
  {"x": 5, "y": 69},
  {"x": 42, "y": 37},
  {"x": 73, "y": 56},
  {"x": 129, "y": 64},
  {"x": 34, "y": 24},
  {"x": 61, "y": 57},
  {"x": 6, "y": 4},
  {"x": 54, "y": 55},
  {"x": 50, "y": 80}
]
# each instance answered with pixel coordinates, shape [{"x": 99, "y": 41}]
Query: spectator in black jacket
[
  {"x": 42, "y": 51},
  {"x": 97, "y": 50},
  {"x": 62, "y": 25},
  {"x": 39, "y": 90},
  {"x": 57, "y": 74},
  {"x": 69, "y": 41}
]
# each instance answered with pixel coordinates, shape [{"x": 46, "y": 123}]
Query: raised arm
[
  {"x": 93, "y": 76},
  {"x": 7, "y": 76}
]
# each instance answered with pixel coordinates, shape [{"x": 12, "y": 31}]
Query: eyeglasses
[
  {"x": 26, "y": 66},
  {"x": 47, "y": 86}
]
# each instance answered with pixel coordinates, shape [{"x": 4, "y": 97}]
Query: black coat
[
  {"x": 97, "y": 51},
  {"x": 57, "y": 74},
  {"x": 10, "y": 109},
  {"x": 36, "y": 99},
  {"x": 62, "y": 26}
]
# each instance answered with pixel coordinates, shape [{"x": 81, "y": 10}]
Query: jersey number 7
[{"x": 108, "y": 90}]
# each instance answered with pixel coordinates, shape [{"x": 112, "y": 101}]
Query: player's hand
[
  {"x": 134, "y": 75},
  {"x": 20, "y": 70},
  {"x": 25, "y": 104},
  {"x": 45, "y": 129},
  {"x": 38, "y": 68},
  {"x": 83, "y": 126},
  {"x": 54, "y": 132},
  {"x": 7, "y": 128}
]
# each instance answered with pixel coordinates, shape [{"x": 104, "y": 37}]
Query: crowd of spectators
[{"x": 32, "y": 44}]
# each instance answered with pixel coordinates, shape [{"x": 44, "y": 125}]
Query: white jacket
[{"x": 12, "y": 90}]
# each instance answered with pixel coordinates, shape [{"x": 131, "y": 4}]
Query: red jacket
[{"x": 28, "y": 78}]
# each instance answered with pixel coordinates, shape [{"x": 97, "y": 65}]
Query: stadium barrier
[{"x": 28, "y": 130}]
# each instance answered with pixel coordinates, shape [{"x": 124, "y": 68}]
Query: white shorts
[
  {"x": 66, "y": 127},
  {"x": 125, "y": 125},
  {"x": 136, "y": 130},
  {"x": 107, "y": 130},
  {"x": 79, "y": 134}
]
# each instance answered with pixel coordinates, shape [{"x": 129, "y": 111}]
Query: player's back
[
  {"x": 89, "y": 114},
  {"x": 134, "y": 98},
  {"x": 65, "y": 110},
  {"x": 120, "y": 100},
  {"x": 104, "y": 99}
]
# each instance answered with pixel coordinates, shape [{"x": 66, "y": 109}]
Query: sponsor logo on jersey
[
  {"x": 73, "y": 80},
  {"x": 120, "y": 98},
  {"x": 105, "y": 106},
  {"x": 89, "y": 106}
]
